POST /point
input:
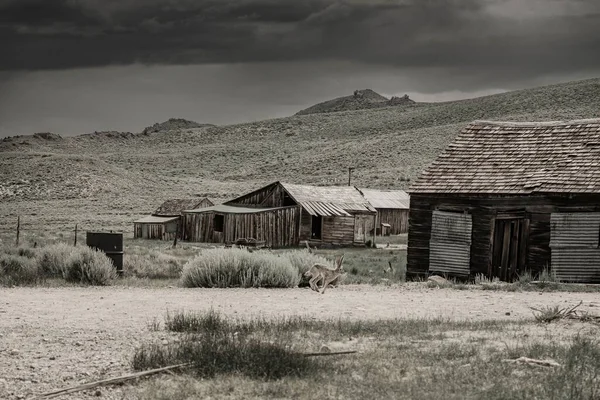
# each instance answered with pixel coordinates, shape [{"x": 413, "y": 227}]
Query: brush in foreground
[
  {"x": 212, "y": 354},
  {"x": 549, "y": 314},
  {"x": 233, "y": 267},
  {"x": 18, "y": 270},
  {"x": 89, "y": 266}
]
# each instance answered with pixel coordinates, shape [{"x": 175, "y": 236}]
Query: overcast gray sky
[{"x": 75, "y": 66}]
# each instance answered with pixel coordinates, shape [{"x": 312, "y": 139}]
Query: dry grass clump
[
  {"x": 89, "y": 266},
  {"x": 210, "y": 355},
  {"x": 153, "y": 265},
  {"x": 239, "y": 268},
  {"x": 214, "y": 345},
  {"x": 18, "y": 270}
]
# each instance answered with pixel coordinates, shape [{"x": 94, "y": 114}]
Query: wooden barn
[
  {"x": 392, "y": 210},
  {"x": 505, "y": 198},
  {"x": 164, "y": 222},
  {"x": 282, "y": 214}
]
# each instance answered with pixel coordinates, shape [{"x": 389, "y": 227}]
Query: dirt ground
[{"x": 52, "y": 338}]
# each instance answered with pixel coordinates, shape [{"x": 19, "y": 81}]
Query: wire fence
[{"x": 21, "y": 231}]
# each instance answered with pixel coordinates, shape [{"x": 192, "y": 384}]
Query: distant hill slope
[
  {"x": 109, "y": 181},
  {"x": 360, "y": 100},
  {"x": 172, "y": 124}
]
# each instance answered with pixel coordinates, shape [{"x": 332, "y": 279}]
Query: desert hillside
[
  {"x": 106, "y": 180},
  {"x": 360, "y": 100}
]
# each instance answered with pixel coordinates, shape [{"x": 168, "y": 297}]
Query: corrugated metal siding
[
  {"x": 574, "y": 240},
  {"x": 450, "y": 244},
  {"x": 576, "y": 265},
  {"x": 574, "y": 229},
  {"x": 323, "y": 209}
]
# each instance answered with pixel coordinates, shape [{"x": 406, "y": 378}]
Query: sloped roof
[
  {"x": 152, "y": 219},
  {"x": 518, "y": 158},
  {"x": 174, "y": 207},
  {"x": 387, "y": 198},
  {"x": 328, "y": 200},
  {"x": 227, "y": 209}
]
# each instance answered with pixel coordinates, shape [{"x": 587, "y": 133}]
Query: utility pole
[
  {"x": 350, "y": 169},
  {"x": 75, "y": 241}
]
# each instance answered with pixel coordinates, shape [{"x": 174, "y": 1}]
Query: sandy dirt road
[{"x": 58, "y": 337}]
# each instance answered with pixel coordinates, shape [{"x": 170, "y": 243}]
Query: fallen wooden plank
[{"x": 118, "y": 379}]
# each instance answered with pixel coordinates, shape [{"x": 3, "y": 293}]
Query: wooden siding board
[
  {"x": 397, "y": 218},
  {"x": 419, "y": 231},
  {"x": 155, "y": 231},
  {"x": 267, "y": 226}
]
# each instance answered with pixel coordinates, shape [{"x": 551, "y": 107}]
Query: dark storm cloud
[{"x": 524, "y": 37}]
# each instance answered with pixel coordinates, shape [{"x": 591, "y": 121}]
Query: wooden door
[
  {"x": 509, "y": 251},
  {"x": 360, "y": 228}
]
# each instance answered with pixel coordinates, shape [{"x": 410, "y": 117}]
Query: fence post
[
  {"x": 18, "y": 229},
  {"x": 75, "y": 241}
]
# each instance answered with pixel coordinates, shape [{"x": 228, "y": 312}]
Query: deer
[{"x": 319, "y": 272}]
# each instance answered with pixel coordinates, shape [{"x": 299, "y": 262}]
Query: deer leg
[
  {"x": 326, "y": 282},
  {"x": 313, "y": 282}
]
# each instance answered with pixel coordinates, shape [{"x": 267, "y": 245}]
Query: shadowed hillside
[{"x": 118, "y": 179}]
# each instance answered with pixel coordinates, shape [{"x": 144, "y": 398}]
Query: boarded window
[
  {"x": 574, "y": 241},
  {"x": 450, "y": 244},
  {"x": 218, "y": 222}
]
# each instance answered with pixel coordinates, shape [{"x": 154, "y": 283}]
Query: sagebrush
[
  {"x": 53, "y": 259},
  {"x": 18, "y": 270},
  {"x": 234, "y": 267},
  {"x": 153, "y": 265},
  {"x": 90, "y": 266}
]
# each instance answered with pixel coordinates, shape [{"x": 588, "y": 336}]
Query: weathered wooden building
[
  {"x": 392, "y": 210},
  {"x": 504, "y": 198},
  {"x": 283, "y": 214},
  {"x": 164, "y": 222}
]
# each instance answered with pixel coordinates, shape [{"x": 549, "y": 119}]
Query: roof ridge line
[{"x": 536, "y": 123}]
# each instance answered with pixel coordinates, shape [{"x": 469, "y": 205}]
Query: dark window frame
[
  {"x": 218, "y": 222},
  {"x": 312, "y": 227}
]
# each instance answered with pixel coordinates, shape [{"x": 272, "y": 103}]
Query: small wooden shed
[
  {"x": 164, "y": 222},
  {"x": 288, "y": 214},
  {"x": 509, "y": 197},
  {"x": 392, "y": 209}
]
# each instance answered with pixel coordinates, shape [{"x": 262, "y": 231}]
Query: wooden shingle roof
[{"x": 518, "y": 158}]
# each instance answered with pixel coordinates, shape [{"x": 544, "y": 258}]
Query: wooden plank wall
[
  {"x": 305, "y": 225},
  {"x": 338, "y": 229},
  {"x": 271, "y": 196},
  {"x": 397, "y": 218},
  {"x": 154, "y": 231},
  {"x": 484, "y": 210},
  {"x": 277, "y": 228}
]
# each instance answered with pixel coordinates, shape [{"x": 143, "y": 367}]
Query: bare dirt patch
[{"x": 58, "y": 337}]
